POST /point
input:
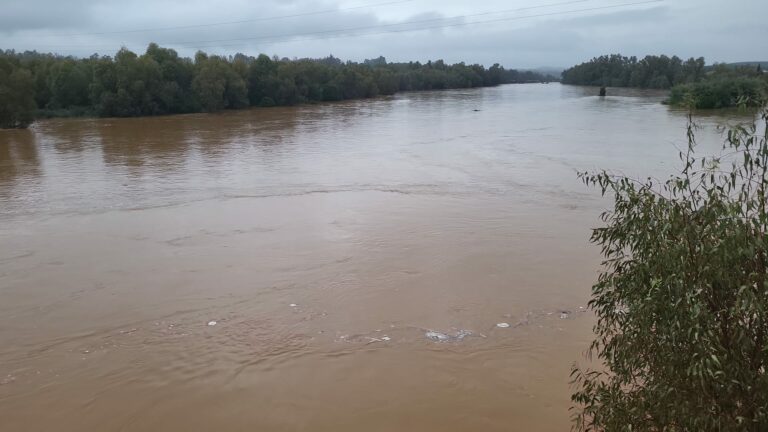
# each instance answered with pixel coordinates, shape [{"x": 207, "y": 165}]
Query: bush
[
  {"x": 720, "y": 93},
  {"x": 682, "y": 302}
]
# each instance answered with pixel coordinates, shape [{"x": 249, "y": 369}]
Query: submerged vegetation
[
  {"x": 161, "y": 82},
  {"x": 692, "y": 83},
  {"x": 682, "y": 303}
]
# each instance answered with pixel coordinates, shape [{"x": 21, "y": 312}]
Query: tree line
[
  {"x": 616, "y": 70},
  {"x": 161, "y": 82},
  {"x": 691, "y": 81}
]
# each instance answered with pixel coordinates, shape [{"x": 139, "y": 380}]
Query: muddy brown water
[{"x": 324, "y": 241}]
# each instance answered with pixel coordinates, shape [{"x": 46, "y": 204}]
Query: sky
[{"x": 515, "y": 33}]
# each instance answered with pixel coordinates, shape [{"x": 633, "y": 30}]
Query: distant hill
[{"x": 548, "y": 70}]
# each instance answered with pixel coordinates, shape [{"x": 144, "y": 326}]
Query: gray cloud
[
  {"x": 562, "y": 33},
  {"x": 654, "y": 14},
  {"x": 21, "y": 15}
]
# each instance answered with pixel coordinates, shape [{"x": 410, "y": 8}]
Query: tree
[
  {"x": 17, "y": 102},
  {"x": 174, "y": 92},
  {"x": 209, "y": 86},
  {"x": 217, "y": 85},
  {"x": 130, "y": 86},
  {"x": 262, "y": 76},
  {"x": 68, "y": 82},
  {"x": 651, "y": 72},
  {"x": 160, "y": 82},
  {"x": 721, "y": 92},
  {"x": 682, "y": 302}
]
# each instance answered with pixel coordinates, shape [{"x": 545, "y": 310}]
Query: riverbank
[
  {"x": 88, "y": 113},
  {"x": 692, "y": 84},
  {"x": 161, "y": 82}
]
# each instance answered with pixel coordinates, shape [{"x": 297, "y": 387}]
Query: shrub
[
  {"x": 682, "y": 302},
  {"x": 720, "y": 93}
]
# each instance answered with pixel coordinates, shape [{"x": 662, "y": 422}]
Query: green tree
[
  {"x": 386, "y": 81},
  {"x": 103, "y": 86},
  {"x": 209, "y": 85},
  {"x": 174, "y": 92},
  {"x": 160, "y": 82},
  {"x": 68, "y": 82},
  {"x": 131, "y": 86},
  {"x": 721, "y": 92},
  {"x": 217, "y": 85},
  {"x": 262, "y": 79},
  {"x": 39, "y": 65},
  {"x": 17, "y": 102},
  {"x": 616, "y": 70},
  {"x": 682, "y": 302}
]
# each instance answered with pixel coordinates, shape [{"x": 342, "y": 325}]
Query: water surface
[{"x": 325, "y": 241}]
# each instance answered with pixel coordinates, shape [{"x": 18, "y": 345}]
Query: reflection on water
[
  {"x": 443, "y": 142},
  {"x": 326, "y": 241},
  {"x": 19, "y": 163}
]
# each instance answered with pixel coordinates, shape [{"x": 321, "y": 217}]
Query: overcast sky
[{"x": 516, "y": 33}]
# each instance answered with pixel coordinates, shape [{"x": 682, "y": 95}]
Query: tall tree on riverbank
[
  {"x": 682, "y": 303},
  {"x": 217, "y": 85},
  {"x": 17, "y": 102}
]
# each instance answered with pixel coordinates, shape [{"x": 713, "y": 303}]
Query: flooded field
[{"x": 338, "y": 267}]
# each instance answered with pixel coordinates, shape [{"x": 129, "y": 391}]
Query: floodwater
[{"x": 325, "y": 242}]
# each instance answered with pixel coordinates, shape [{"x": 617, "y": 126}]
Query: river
[{"x": 280, "y": 269}]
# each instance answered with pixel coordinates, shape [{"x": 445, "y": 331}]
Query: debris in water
[
  {"x": 463, "y": 333},
  {"x": 386, "y": 338},
  {"x": 212, "y": 323},
  {"x": 563, "y": 315},
  {"x": 293, "y": 305},
  {"x": 437, "y": 336},
  {"x": 502, "y": 325},
  {"x": 443, "y": 337}
]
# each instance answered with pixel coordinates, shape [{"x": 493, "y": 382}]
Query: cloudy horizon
[{"x": 519, "y": 34}]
